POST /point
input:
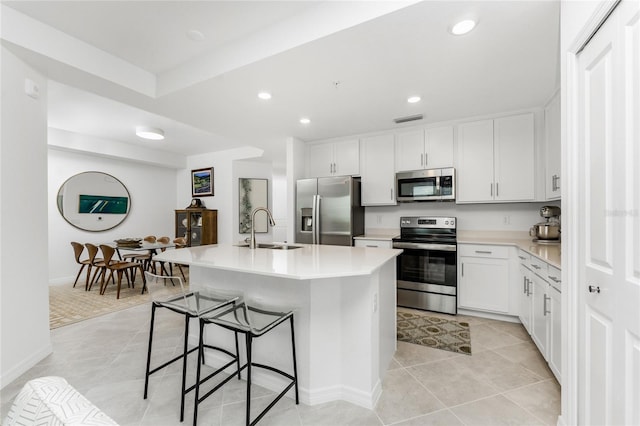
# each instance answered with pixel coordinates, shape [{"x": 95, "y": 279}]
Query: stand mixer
[{"x": 549, "y": 230}]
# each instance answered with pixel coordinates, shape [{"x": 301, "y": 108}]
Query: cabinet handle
[
  {"x": 497, "y": 191},
  {"x": 555, "y": 279},
  {"x": 425, "y": 159},
  {"x": 544, "y": 305},
  {"x": 522, "y": 258},
  {"x": 421, "y": 160},
  {"x": 535, "y": 266},
  {"x": 594, "y": 289},
  {"x": 391, "y": 194},
  {"x": 524, "y": 285},
  {"x": 491, "y": 189},
  {"x": 371, "y": 245},
  {"x": 462, "y": 265},
  {"x": 483, "y": 251}
]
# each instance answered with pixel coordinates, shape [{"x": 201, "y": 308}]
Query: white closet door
[{"x": 609, "y": 265}]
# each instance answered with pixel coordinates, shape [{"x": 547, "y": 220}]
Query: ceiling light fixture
[
  {"x": 264, "y": 95},
  {"x": 305, "y": 120},
  {"x": 463, "y": 27},
  {"x": 152, "y": 133},
  {"x": 413, "y": 99}
]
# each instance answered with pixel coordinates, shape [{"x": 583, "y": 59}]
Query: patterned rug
[
  {"x": 68, "y": 305},
  {"x": 439, "y": 333}
]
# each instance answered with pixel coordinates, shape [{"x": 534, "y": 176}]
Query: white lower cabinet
[
  {"x": 539, "y": 312},
  {"x": 524, "y": 290},
  {"x": 483, "y": 278},
  {"x": 368, "y": 242},
  {"x": 555, "y": 332}
]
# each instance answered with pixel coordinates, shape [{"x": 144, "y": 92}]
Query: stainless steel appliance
[
  {"x": 426, "y": 269},
  {"x": 549, "y": 230},
  {"x": 426, "y": 185},
  {"x": 328, "y": 210}
]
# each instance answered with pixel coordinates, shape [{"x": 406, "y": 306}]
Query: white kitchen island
[{"x": 345, "y": 312}]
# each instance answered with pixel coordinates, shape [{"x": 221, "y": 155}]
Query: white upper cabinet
[
  {"x": 496, "y": 160},
  {"x": 339, "y": 158},
  {"x": 552, "y": 148},
  {"x": 424, "y": 149},
  {"x": 376, "y": 170}
]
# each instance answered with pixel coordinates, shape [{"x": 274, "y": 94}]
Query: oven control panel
[{"x": 428, "y": 222}]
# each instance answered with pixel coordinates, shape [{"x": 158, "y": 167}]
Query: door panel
[{"x": 609, "y": 229}]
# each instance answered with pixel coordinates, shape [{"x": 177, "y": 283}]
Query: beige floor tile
[
  {"x": 439, "y": 418},
  {"x": 484, "y": 337},
  {"x": 403, "y": 397},
  {"x": 527, "y": 355},
  {"x": 498, "y": 371},
  {"x": 494, "y": 411},
  {"x": 511, "y": 328},
  {"x": 337, "y": 413},
  {"x": 409, "y": 354},
  {"x": 541, "y": 399},
  {"x": 451, "y": 384}
]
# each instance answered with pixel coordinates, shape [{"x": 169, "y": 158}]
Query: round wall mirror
[{"x": 94, "y": 201}]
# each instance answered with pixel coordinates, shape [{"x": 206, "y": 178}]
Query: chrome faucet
[{"x": 252, "y": 242}]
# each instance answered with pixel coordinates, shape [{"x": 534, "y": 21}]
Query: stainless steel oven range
[{"x": 426, "y": 270}]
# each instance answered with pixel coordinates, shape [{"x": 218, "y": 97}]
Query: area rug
[
  {"x": 68, "y": 305},
  {"x": 439, "y": 333}
]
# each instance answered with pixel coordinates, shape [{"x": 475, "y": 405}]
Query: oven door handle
[{"x": 425, "y": 246}]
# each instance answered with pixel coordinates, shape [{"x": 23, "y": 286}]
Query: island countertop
[{"x": 307, "y": 262}]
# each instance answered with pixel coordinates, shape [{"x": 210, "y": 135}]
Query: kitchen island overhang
[{"x": 345, "y": 312}]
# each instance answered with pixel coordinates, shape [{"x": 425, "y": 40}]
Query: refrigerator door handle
[{"x": 314, "y": 219}]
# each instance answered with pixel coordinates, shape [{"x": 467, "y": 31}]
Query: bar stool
[
  {"x": 191, "y": 304},
  {"x": 253, "y": 322}
]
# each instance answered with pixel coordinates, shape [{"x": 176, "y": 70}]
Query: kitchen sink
[{"x": 271, "y": 246}]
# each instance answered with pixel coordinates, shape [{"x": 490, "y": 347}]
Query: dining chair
[
  {"x": 120, "y": 267},
  {"x": 144, "y": 258},
  {"x": 97, "y": 263},
  {"x": 154, "y": 263},
  {"x": 77, "y": 251},
  {"x": 180, "y": 242}
]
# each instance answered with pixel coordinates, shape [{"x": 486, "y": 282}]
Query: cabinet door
[
  {"x": 524, "y": 290},
  {"x": 552, "y": 151},
  {"x": 540, "y": 309},
  {"x": 346, "y": 158},
  {"x": 410, "y": 150},
  {"x": 320, "y": 159},
  {"x": 514, "y": 158},
  {"x": 484, "y": 284},
  {"x": 377, "y": 171},
  {"x": 475, "y": 162},
  {"x": 555, "y": 335},
  {"x": 438, "y": 147}
]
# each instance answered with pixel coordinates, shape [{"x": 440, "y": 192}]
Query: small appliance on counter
[{"x": 547, "y": 232}]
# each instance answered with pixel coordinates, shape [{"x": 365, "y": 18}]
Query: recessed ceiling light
[
  {"x": 305, "y": 120},
  {"x": 150, "y": 133},
  {"x": 413, "y": 99},
  {"x": 264, "y": 95},
  {"x": 463, "y": 27}
]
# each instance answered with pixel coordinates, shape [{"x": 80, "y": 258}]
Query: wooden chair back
[
  {"x": 164, "y": 240},
  {"x": 107, "y": 253},
  {"x": 150, "y": 238},
  {"x": 180, "y": 242},
  {"x": 77, "y": 250},
  {"x": 93, "y": 252}
]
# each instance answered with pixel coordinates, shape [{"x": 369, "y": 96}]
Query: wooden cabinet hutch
[{"x": 198, "y": 226}]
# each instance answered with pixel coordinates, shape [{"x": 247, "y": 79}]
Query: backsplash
[{"x": 470, "y": 217}]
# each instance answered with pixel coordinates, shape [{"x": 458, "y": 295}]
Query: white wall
[
  {"x": 471, "y": 217},
  {"x": 153, "y": 201},
  {"x": 24, "y": 294}
]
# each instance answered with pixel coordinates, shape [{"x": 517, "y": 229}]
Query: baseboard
[
  {"x": 25, "y": 365},
  {"x": 490, "y": 315}
]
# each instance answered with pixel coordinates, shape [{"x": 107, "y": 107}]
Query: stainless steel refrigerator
[{"x": 328, "y": 210}]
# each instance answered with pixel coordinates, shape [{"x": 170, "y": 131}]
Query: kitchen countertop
[
  {"x": 308, "y": 262},
  {"x": 550, "y": 253}
]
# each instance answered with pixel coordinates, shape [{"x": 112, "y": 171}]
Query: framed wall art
[
  {"x": 202, "y": 182},
  {"x": 253, "y": 194}
]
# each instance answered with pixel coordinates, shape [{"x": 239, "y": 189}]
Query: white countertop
[
  {"x": 550, "y": 253},
  {"x": 308, "y": 262}
]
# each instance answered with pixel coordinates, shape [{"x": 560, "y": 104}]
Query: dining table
[{"x": 152, "y": 248}]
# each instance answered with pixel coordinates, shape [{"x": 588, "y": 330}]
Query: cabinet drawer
[
  {"x": 554, "y": 277},
  {"x": 482, "y": 250},
  {"x": 524, "y": 258},
  {"x": 539, "y": 267},
  {"x": 372, "y": 243}
]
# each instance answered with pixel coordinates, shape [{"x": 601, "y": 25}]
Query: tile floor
[{"x": 505, "y": 381}]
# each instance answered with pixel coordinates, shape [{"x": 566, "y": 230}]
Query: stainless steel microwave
[{"x": 426, "y": 185}]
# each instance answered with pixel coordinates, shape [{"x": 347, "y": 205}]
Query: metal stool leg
[
  {"x": 184, "y": 365},
  {"x": 198, "y": 371},
  {"x": 249, "y": 341},
  {"x": 295, "y": 364},
  {"x": 146, "y": 375}
]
